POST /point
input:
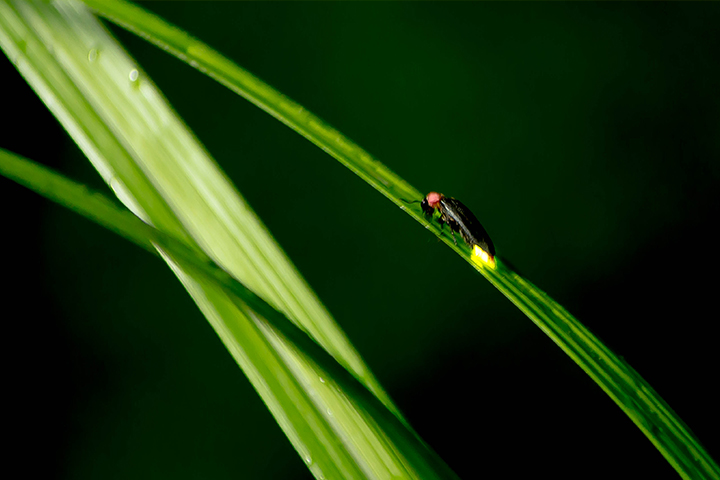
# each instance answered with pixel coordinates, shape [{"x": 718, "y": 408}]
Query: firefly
[{"x": 460, "y": 219}]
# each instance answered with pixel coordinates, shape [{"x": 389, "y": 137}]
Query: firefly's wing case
[{"x": 468, "y": 225}]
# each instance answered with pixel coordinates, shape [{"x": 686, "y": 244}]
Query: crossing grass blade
[
  {"x": 103, "y": 211},
  {"x": 165, "y": 177}
]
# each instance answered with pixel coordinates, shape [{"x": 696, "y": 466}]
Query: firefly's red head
[
  {"x": 433, "y": 198},
  {"x": 430, "y": 202}
]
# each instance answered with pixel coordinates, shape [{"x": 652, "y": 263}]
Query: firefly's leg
[{"x": 453, "y": 228}]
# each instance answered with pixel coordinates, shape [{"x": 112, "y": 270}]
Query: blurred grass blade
[
  {"x": 105, "y": 212},
  {"x": 199, "y": 202},
  {"x": 649, "y": 412},
  {"x": 161, "y": 173}
]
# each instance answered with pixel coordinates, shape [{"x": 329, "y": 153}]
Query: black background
[{"x": 584, "y": 137}]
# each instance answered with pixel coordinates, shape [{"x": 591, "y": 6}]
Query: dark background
[{"x": 585, "y": 138}]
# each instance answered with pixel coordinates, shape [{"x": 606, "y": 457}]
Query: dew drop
[
  {"x": 134, "y": 74},
  {"x": 92, "y": 55}
]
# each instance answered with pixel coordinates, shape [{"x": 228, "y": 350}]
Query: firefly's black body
[{"x": 459, "y": 218}]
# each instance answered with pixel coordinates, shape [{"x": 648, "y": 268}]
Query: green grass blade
[
  {"x": 619, "y": 380},
  {"x": 652, "y": 415},
  {"x": 105, "y": 212},
  {"x": 159, "y": 170},
  {"x": 235, "y": 227}
]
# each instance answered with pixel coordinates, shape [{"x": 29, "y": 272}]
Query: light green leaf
[
  {"x": 105, "y": 212},
  {"x": 163, "y": 175}
]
